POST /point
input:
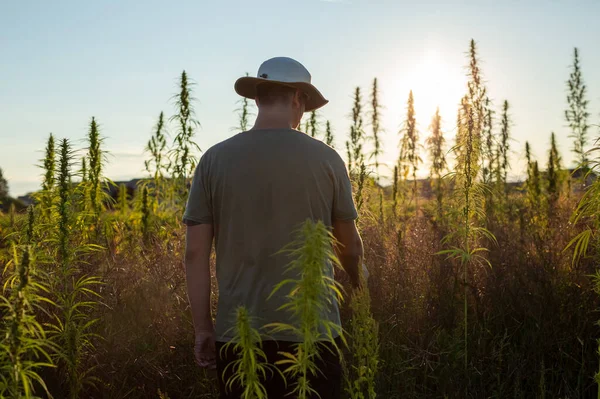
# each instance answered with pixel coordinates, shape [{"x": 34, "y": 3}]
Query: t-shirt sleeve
[
  {"x": 343, "y": 202},
  {"x": 199, "y": 204}
]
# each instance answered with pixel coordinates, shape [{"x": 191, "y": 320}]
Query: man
[{"x": 251, "y": 193}]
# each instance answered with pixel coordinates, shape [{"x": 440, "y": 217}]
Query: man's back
[{"x": 256, "y": 189}]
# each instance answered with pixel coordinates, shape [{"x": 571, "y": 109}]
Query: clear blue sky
[{"x": 63, "y": 62}]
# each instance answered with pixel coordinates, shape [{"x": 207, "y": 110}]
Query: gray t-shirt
[{"x": 256, "y": 189}]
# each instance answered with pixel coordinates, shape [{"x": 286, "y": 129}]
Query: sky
[{"x": 63, "y": 62}]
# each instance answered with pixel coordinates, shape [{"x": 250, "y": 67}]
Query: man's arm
[
  {"x": 197, "y": 270},
  {"x": 350, "y": 248}
]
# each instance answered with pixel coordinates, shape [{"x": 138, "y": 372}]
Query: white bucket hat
[{"x": 285, "y": 71}]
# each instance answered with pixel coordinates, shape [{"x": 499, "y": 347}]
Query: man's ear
[{"x": 297, "y": 99}]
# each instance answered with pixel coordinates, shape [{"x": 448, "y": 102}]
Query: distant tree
[
  {"x": 3, "y": 186},
  {"x": 577, "y": 114}
]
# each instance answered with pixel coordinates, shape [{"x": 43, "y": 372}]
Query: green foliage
[
  {"x": 244, "y": 114},
  {"x": 96, "y": 167},
  {"x": 156, "y": 148},
  {"x": 435, "y": 146},
  {"x": 3, "y": 186},
  {"x": 504, "y": 146},
  {"x": 308, "y": 298},
  {"x": 64, "y": 203},
  {"x": 313, "y": 124},
  {"x": 364, "y": 346},
  {"x": 376, "y": 125},
  {"x": 328, "y": 135},
  {"x": 123, "y": 198},
  {"x": 395, "y": 191},
  {"x": 183, "y": 154},
  {"x": 533, "y": 183},
  {"x": 162, "y": 395},
  {"x": 553, "y": 174},
  {"x": 588, "y": 210},
  {"x": 409, "y": 146},
  {"x": 30, "y": 233},
  {"x": 490, "y": 155},
  {"x": 251, "y": 365},
  {"x": 361, "y": 178},
  {"x": 577, "y": 114},
  {"x": 146, "y": 214},
  {"x": 48, "y": 190},
  {"x": 469, "y": 191},
  {"x": 24, "y": 348},
  {"x": 73, "y": 331},
  {"x": 354, "y": 147}
]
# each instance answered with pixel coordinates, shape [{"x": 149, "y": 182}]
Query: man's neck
[{"x": 272, "y": 120}]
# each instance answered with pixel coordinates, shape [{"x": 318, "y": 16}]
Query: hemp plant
[
  {"x": 250, "y": 367},
  {"x": 183, "y": 156},
  {"x": 577, "y": 114},
  {"x": 468, "y": 190},
  {"x": 24, "y": 347},
  {"x": 312, "y": 291},
  {"x": 409, "y": 146},
  {"x": 156, "y": 165},
  {"x": 48, "y": 184},
  {"x": 364, "y": 345},
  {"x": 354, "y": 147},
  {"x": 75, "y": 294},
  {"x": 376, "y": 125},
  {"x": 328, "y": 135},
  {"x": 435, "y": 145}
]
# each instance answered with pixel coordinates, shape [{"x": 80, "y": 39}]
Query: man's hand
[
  {"x": 205, "y": 349},
  {"x": 197, "y": 269}
]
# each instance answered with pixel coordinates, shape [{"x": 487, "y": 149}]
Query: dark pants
[{"x": 327, "y": 382}]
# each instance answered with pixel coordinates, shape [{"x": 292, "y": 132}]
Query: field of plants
[{"x": 479, "y": 287}]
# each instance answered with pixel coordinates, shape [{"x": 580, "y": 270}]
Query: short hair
[{"x": 272, "y": 93}]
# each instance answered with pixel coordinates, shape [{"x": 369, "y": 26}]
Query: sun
[
  {"x": 437, "y": 84},
  {"x": 436, "y": 81}
]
